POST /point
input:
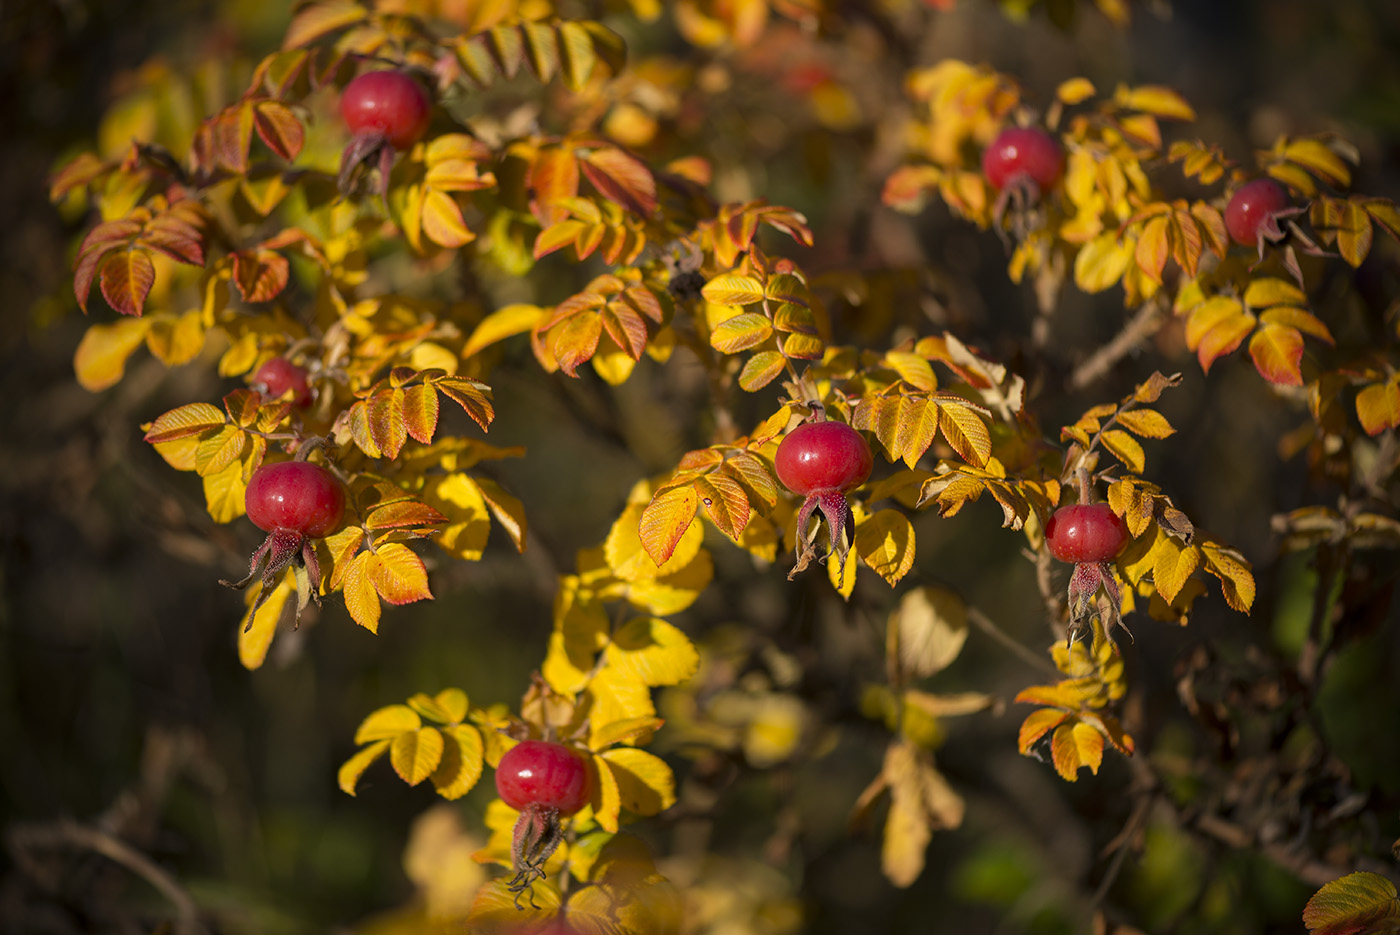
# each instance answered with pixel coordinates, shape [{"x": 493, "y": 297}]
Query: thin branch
[
  {"x": 1138, "y": 329},
  {"x": 69, "y": 833},
  {"x": 989, "y": 627}
]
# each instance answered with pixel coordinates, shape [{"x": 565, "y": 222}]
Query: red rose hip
[
  {"x": 823, "y": 456},
  {"x": 386, "y": 102},
  {"x": 534, "y": 772},
  {"x": 278, "y": 376},
  {"x": 1253, "y": 211},
  {"x": 1083, "y": 532},
  {"x": 1023, "y": 153}
]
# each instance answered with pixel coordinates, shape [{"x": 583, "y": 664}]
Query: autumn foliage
[{"x": 362, "y": 289}]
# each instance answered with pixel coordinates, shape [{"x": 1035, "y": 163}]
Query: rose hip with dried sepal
[
  {"x": 1022, "y": 164},
  {"x": 544, "y": 781},
  {"x": 278, "y": 376},
  {"x": 1090, "y": 535},
  {"x": 295, "y": 502},
  {"x": 823, "y": 461},
  {"x": 386, "y": 111}
]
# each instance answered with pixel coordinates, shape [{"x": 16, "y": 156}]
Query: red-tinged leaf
[
  {"x": 964, "y": 429},
  {"x": 643, "y": 301},
  {"x": 79, "y": 171},
  {"x": 126, "y": 281},
  {"x": 277, "y": 125},
  {"x": 320, "y": 19},
  {"x": 442, "y": 220},
  {"x": 359, "y": 428},
  {"x": 725, "y": 501},
  {"x": 622, "y": 179},
  {"x": 666, "y": 519},
  {"x": 233, "y": 137},
  {"x": 243, "y": 406},
  {"x": 100, "y": 359},
  {"x": 1278, "y": 354},
  {"x": 1298, "y": 318},
  {"x": 387, "y": 425},
  {"x": 403, "y": 514},
  {"x": 176, "y": 237},
  {"x": 1037, "y": 725},
  {"x": 1075, "y": 745},
  {"x": 260, "y": 275},
  {"x": 553, "y": 177},
  {"x": 575, "y": 341},
  {"x": 1357, "y": 904},
  {"x": 906, "y": 189},
  {"x": 760, "y": 370},
  {"x": 741, "y": 333},
  {"x": 1378, "y": 406},
  {"x": 183, "y": 422},
  {"x": 754, "y": 474},
  {"x": 626, "y": 328},
  {"x": 472, "y": 395},
  {"x": 420, "y": 410},
  {"x": 1223, "y": 338},
  {"x": 1186, "y": 240},
  {"x": 1153, "y": 249},
  {"x": 397, "y": 573}
]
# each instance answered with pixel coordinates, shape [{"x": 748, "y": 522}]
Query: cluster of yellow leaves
[{"x": 1074, "y": 717}]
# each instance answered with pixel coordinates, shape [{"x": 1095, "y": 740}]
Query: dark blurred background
[{"x": 122, "y": 701}]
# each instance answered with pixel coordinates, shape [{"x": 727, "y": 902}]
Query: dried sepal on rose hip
[
  {"x": 385, "y": 111},
  {"x": 544, "y": 781},
  {"x": 295, "y": 503},
  {"x": 823, "y": 461},
  {"x": 1090, "y": 535}
]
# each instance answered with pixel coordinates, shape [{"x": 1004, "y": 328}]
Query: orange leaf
[
  {"x": 472, "y": 395},
  {"x": 361, "y": 598},
  {"x": 1278, "y": 354},
  {"x": 442, "y": 220},
  {"x": 553, "y": 177},
  {"x": 279, "y": 128},
  {"x": 260, "y": 275},
  {"x": 725, "y": 501},
  {"x": 576, "y": 340},
  {"x": 1076, "y": 745},
  {"x": 666, "y": 519},
  {"x": 1153, "y": 249},
  {"x": 127, "y": 278},
  {"x": 621, "y": 179},
  {"x": 1037, "y": 725},
  {"x": 387, "y": 425},
  {"x": 964, "y": 429},
  {"x": 397, "y": 573},
  {"x": 1378, "y": 406}
]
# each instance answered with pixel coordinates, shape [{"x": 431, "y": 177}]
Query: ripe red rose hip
[
  {"x": 818, "y": 456},
  {"x": 278, "y": 376},
  {"x": 387, "y": 102},
  {"x": 1253, "y": 209},
  {"x": 296, "y": 496},
  {"x": 1086, "y": 532},
  {"x": 1023, "y": 153},
  {"x": 550, "y": 775}
]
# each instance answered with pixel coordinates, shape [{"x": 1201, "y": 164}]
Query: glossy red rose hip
[
  {"x": 1086, "y": 533},
  {"x": 387, "y": 102},
  {"x": 1023, "y": 152},
  {"x": 279, "y": 375},
  {"x": 295, "y": 496},
  {"x": 1252, "y": 207},
  {"x": 548, "y": 775},
  {"x": 819, "y": 456}
]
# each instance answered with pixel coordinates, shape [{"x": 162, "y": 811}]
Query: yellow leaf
[
  {"x": 1236, "y": 581},
  {"x": 617, "y": 697},
  {"x": 652, "y": 652},
  {"x": 387, "y": 723},
  {"x": 673, "y": 593},
  {"x": 733, "y": 289},
  {"x": 458, "y": 497},
  {"x": 842, "y": 578},
  {"x": 1360, "y": 902},
  {"x": 397, "y": 573},
  {"x": 964, "y": 429},
  {"x": 1101, "y": 262},
  {"x": 176, "y": 339},
  {"x": 1153, "y": 248},
  {"x": 219, "y": 448},
  {"x": 224, "y": 493},
  {"x": 606, "y": 799},
  {"x": 415, "y": 754},
  {"x": 725, "y": 501},
  {"x": 927, "y": 630},
  {"x": 1075, "y": 745},
  {"x": 1378, "y": 406},
  {"x": 1125, "y": 448},
  {"x": 1154, "y": 99},
  {"x": 352, "y": 769},
  {"x": 361, "y": 599},
  {"x": 776, "y": 723},
  {"x": 632, "y": 730},
  {"x": 741, "y": 332},
  {"x": 1268, "y": 290},
  {"x": 1172, "y": 564},
  {"x": 1301, "y": 319},
  {"x": 1037, "y": 725},
  {"x": 645, "y": 784},
  {"x": 461, "y": 764},
  {"x": 1319, "y": 159},
  {"x": 497, "y": 910},
  {"x": 253, "y": 642},
  {"x": 1075, "y": 90},
  {"x": 1148, "y": 423},
  {"x": 503, "y": 323},
  {"x": 101, "y": 357},
  {"x": 885, "y": 542}
]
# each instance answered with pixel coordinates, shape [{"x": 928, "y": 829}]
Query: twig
[
  {"x": 1141, "y": 326},
  {"x": 1120, "y": 846},
  {"x": 989, "y": 627},
  {"x": 69, "y": 833}
]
